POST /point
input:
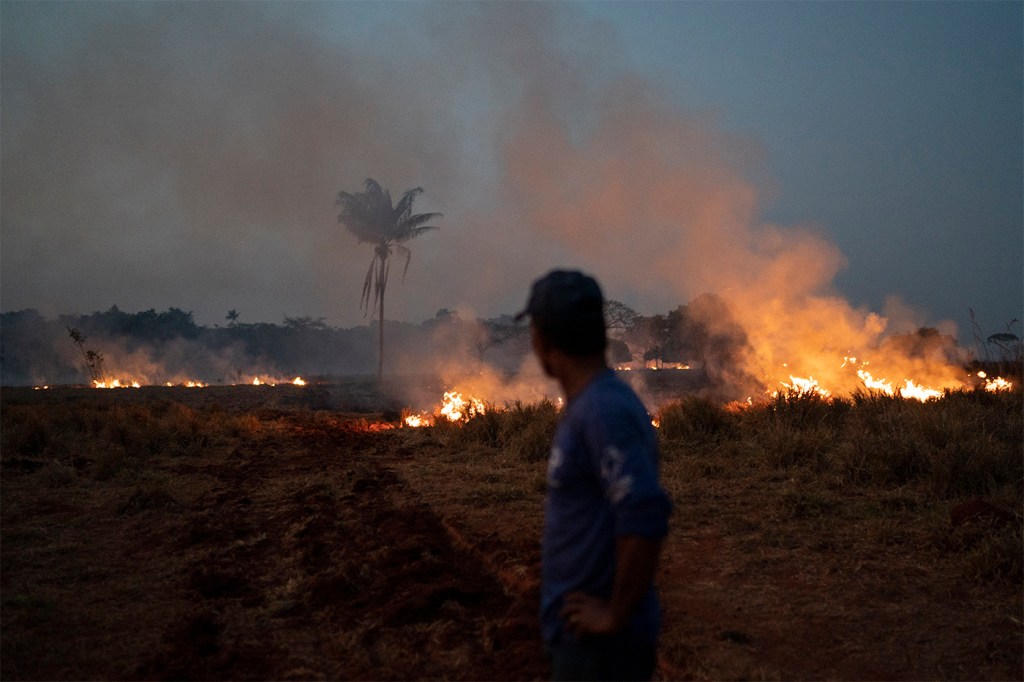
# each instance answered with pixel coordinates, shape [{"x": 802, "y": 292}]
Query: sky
[{"x": 859, "y": 160}]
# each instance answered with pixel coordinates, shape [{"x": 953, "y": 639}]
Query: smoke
[{"x": 189, "y": 154}]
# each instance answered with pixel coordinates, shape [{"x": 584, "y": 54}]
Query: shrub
[
  {"x": 524, "y": 430},
  {"x": 695, "y": 419},
  {"x": 804, "y": 408},
  {"x": 528, "y": 430}
]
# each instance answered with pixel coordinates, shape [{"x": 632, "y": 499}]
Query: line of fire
[{"x": 470, "y": 388}]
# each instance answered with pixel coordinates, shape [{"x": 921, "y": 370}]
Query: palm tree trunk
[{"x": 380, "y": 343}]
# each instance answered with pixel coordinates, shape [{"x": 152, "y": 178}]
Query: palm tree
[{"x": 372, "y": 218}]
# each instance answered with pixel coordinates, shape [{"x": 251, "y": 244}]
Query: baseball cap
[{"x": 564, "y": 298}]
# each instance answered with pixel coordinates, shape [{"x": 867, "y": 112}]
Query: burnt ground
[
  {"x": 291, "y": 552},
  {"x": 296, "y": 543}
]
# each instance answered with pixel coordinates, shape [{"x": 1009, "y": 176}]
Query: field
[{"x": 281, "y": 533}]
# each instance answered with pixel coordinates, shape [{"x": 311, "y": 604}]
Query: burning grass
[{"x": 160, "y": 534}]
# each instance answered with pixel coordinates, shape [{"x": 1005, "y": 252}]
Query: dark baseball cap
[{"x": 564, "y": 298}]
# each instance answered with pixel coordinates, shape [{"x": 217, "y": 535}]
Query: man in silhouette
[{"x": 605, "y": 512}]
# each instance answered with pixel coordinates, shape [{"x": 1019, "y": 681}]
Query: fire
[
  {"x": 875, "y": 384},
  {"x": 297, "y": 381},
  {"x": 998, "y": 384},
  {"x": 115, "y": 383},
  {"x": 909, "y": 390},
  {"x": 454, "y": 407},
  {"x": 912, "y": 390},
  {"x": 194, "y": 383},
  {"x": 801, "y": 386},
  {"x": 418, "y": 420},
  {"x": 995, "y": 384}
]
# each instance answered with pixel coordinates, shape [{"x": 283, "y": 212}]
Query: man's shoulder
[
  {"x": 609, "y": 389},
  {"x": 609, "y": 400}
]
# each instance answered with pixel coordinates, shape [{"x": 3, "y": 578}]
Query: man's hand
[
  {"x": 636, "y": 561},
  {"x": 586, "y": 614}
]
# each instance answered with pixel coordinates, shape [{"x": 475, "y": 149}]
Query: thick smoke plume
[{"x": 197, "y": 149}]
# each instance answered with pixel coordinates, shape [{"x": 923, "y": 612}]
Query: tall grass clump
[
  {"x": 967, "y": 443},
  {"x": 693, "y": 420},
  {"x": 794, "y": 428},
  {"x": 805, "y": 408},
  {"x": 524, "y": 430}
]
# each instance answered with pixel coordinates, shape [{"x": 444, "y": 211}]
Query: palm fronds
[{"x": 372, "y": 218}]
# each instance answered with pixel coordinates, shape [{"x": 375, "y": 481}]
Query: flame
[
  {"x": 875, "y": 384},
  {"x": 456, "y": 407},
  {"x": 417, "y": 420},
  {"x": 801, "y": 386},
  {"x": 115, "y": 383},
  {"x": 912, "y": 390},
  {"x": 997, "y": 384},
  {"x": 909, "y": 390},
  {"x": 194, "y": 383},
  {"x": 297, "y": 381}
]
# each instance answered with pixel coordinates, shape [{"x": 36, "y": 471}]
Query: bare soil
[{"x": 296, "y": 542}]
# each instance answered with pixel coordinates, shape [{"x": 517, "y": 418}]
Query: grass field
[{"x": 235, "y": 534}]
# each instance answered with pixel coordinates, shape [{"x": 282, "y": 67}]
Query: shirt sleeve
[{"x": 627, "y": 463}]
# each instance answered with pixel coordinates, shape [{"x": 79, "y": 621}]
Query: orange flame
[
  {"x": 115, "y": 383},
  {"x": 803, "y": 386},
  {"x": 998, "y": 384},
  {"x": 454, "y": 407},
  {"x": 417, "y": 420}
]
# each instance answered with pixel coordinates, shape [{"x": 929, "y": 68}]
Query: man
[{"x": 605, "y": 513}]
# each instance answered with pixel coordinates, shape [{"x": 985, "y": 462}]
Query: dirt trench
[
  {"x": 302, "y": 557},
  {"x": 319, "y": 562}
]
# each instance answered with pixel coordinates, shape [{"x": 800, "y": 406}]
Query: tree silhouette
[
  {"x": 93, "y": 359},
  {"x": 373, "y": 219},
  {"x": 232, "y": 317}
]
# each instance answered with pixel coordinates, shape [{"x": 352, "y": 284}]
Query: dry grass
[{"x": 811, "y": 539}]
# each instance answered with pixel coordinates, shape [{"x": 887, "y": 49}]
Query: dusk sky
[{"x": 190, "y": 154}]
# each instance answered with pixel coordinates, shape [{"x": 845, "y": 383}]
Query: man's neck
[{"x": 578, "y": 372}]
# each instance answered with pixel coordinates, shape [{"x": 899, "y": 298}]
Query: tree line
[
  {"x": 35, "y": 349},
  {"x": 702, "y": 334}
]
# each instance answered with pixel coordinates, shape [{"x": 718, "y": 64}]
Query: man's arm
[{"x": 636, "y": 563}]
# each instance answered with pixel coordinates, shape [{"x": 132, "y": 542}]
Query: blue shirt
[{"x": 602, "y": 484}]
